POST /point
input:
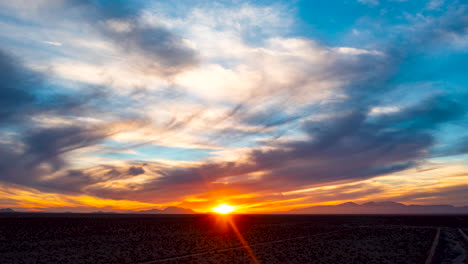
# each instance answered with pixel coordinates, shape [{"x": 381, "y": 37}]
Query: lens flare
[{"x": 223, "y": 209}]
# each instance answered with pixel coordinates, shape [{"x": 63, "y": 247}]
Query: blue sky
[{"x": 267, "y": 105}]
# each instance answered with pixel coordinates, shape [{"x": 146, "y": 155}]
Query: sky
[{"x": 265, "y": 105}]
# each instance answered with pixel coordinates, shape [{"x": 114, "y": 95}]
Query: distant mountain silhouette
[
  {"x": 387, "y": 207},
  {"x": 168, "y": 210}
]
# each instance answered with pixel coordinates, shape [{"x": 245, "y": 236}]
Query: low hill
[{"x": 168, "y": 210}]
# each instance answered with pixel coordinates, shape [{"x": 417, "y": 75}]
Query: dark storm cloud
[
  {"x": 48, "y": 144},
  {"x": 80, "y": 180},
  {"x": 70, "y": 181},
  {"x": 431, "y": 112},
  {"x": 134, "y": 171},
  {"x": 15, "y": 87},
  {"x": 24, "y": 94},
  {"x": 40, "y": 153},
  {"x": 165, "y": 51},
  {"x": 460, "y": 147},
  {"x": 268, "y": 118},
  {"x": 453, "y": 24}
]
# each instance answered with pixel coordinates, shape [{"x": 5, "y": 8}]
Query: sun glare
[{"x": 223, "y": 209}]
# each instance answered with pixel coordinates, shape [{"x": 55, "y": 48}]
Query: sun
[{"x": 223, "y": 209}]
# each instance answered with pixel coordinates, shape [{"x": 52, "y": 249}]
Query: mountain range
[
  {"x": 168, "y": 210},
  {"x": 387, "y": 207}
]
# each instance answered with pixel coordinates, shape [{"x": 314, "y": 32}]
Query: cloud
[
  {"x": 32, "y": 147},
  {"x": 369, "y": 2},
  {"x": 155, "y": 46},
  {"x": 41, "y": 154},
  {"x": 25, "y": 94},
  {"x": 136, "y": 171},
  {"x": 53, "y": 43},
  {"x": 426, "y": 31},
  {"x": 281, "y": 111},
  {"x": 15, "y": 95},
  {"x": 352, "y": 147},
  {"x": 435, "y": 4}
]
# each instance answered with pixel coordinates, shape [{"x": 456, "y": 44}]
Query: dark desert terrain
[{"x": 208, "y": 238}]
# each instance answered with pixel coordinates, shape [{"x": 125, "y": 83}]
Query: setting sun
[{"x": 223, "y": 209}]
